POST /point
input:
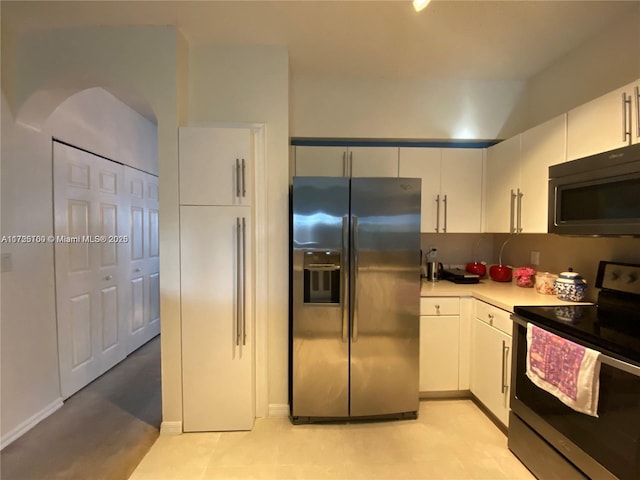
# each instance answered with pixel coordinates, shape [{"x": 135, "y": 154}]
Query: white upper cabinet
[
  {"x": 502, "y": 183},
  {"x": 608, "y": 122},
  {"x": 540, "y": 147},
  {"x": 215, "y": 166},
  {"x": 451, "y": 187},
  {"x": 312, "y": 161},
  {"x": 517, "y": 178},
  {"x": 320, "y": 161}
]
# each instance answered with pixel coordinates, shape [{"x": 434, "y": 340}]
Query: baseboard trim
[
  {"x": 29, "y": 423},
  {"x": 171, "y": 428},
  {"x": 278, "y": 410}
]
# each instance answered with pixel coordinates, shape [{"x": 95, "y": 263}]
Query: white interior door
[
  {"x": 91, "y": 302},
  {"x": 143, "y": 319}
]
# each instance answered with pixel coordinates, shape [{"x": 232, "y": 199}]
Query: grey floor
[{"x": 101, "y": 432}]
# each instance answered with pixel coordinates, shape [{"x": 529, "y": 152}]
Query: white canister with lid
[{"x": 570, "y": 286}]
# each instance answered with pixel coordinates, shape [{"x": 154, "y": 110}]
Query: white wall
[
  {"x": 608, "y": 61},
  {"x": 356, "y": 107},
  {"x": 250, "y": 84},
  {"x": 46, "y": 69}
]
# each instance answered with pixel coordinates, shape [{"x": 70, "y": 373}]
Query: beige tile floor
[{"x": 451, "y": 439}]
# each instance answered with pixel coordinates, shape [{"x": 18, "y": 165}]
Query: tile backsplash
[{"x": 557, "y": 253}]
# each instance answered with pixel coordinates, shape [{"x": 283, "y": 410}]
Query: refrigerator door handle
[
  {"x": 238, "y": 280},
  {"x": 354, "y": 297},
  {"x": 345, "y": 278}
]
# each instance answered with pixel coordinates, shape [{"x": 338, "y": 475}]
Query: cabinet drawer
[
  {"x": 494, "y": 316},
  {"x": 439, "y": 306}
]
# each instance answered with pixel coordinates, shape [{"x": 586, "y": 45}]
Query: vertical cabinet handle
[
  {"x": 237, "y": 177},
  {"x": 354, "y": 298},
  {"x": 238, "y": 282},
  {"x": 344, "y": 290},
  {"x": 519, "y": 222},
  {"x": 344, "y": 163},
  {"x": 505, "y": 356},
  {"x": 244, "y": 189},
  {"x": 444, "y": 202},
  {"x": 512, "y": 212},
  {"x": 244, "y": 281},
  {"x": 437, "y": 213},
  {"x": 626, "y": 117},
  {"x": 638, "y": 112}
]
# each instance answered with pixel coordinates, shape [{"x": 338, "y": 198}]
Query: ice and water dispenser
[{"x": 321, "y": 276}]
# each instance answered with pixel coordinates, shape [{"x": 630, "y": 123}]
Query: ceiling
[{"x": 486, "y": 40}]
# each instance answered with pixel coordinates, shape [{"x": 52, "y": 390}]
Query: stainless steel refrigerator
[{"x": 355, "y": 293}]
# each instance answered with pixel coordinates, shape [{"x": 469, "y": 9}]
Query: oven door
[{"x": 604, "y": 447}]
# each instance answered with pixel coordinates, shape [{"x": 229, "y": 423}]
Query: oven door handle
[{"x": 612, "y": 362}]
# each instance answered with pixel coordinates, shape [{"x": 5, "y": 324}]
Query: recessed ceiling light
[{"x": 420, "y": 4}]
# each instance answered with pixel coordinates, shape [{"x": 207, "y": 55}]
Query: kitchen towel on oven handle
[{"x": 569, "y": 371}]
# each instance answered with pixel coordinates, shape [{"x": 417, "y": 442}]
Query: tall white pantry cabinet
[{"x": 216, "y": 270}]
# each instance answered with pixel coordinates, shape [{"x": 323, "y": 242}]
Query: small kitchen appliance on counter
[
  {"x": 552, "y": 439},
  {"x": 457, "y": 275}
]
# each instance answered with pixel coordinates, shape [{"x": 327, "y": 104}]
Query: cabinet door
[
  {"x": 321, "y": 162},
  {"x": 424, "y": 163},
  {"x": 597, "y": 126},
  {"x": 215, "y": 166},
  {"x": 373, "y": 161},
  {"x": 491, "y": 369},
  {"x": 503, "y": 178},
  {"x": 461, "y": 190},
  {"x": 439, "y": 353},
  {"x": 217, "y": 327},
  {"x": 542, "y": 146}
]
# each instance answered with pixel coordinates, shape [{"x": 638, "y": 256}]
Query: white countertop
[{"x": 505, "y": 295}]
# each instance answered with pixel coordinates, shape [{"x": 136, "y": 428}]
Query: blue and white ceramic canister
[{"x": 570, "y": 286}]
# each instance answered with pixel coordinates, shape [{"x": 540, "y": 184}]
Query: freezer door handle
[
  {"x": 345, "y": 279},
  {"x": 354, "y": 296}
]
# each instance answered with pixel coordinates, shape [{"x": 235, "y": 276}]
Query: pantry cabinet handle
[
  {"x": 505, "y": 355},
  {"x": 238, "y": 281},
  {"x": 237, "y": 177},
  {"x": 437, "y": 213},
  {"x": 519, "y": 222},
  {"x": 512, "y": 212},
  {"x": 444, "y": 201},
  {"x": 244, "y": 189},
  {"x": 637, "y": 111},
  {"x": 626, "y": 114},
  {"x": 244, "y": 281}
]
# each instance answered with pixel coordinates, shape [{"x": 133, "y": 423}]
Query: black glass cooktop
[{"x": 612, "y": 332}]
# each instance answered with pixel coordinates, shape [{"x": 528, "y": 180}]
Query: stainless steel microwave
[{"x": 597, "y": 195}]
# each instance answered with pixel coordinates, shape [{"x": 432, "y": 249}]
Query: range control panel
[{"x": 620, "y": 277}]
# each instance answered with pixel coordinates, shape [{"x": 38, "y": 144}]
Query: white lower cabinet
[
  {"x": 443, "y": 344},
  {"x": 217, "y": 336},
  {"x": 491, "y": 358}
]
